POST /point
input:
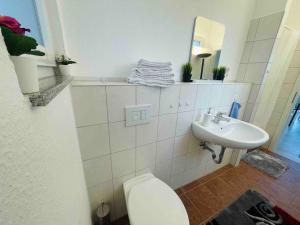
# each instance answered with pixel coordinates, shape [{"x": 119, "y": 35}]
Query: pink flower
[{"x": 12, "y": 24}]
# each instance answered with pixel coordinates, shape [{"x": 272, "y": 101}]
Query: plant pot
[
  {"x": 187, "y": 78},
  {"x": 27, "y": 73},
  {"x": 64, "y": 70}
]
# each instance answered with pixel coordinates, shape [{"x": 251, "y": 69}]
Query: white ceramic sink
[{"x": 234, "y": 134}]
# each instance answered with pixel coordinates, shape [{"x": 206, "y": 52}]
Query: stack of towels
[{"x": 152, "y": 74}]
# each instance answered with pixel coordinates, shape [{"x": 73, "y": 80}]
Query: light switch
[{"x": 137, "y": 114}]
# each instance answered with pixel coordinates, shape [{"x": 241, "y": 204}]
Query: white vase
[
  {"x": 27, "y": 73},
  {"x": 64, "y": 70}
]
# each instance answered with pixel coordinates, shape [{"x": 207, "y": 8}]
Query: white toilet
[{"x": 152, "y": 202}]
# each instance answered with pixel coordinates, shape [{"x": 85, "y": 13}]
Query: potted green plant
[
  {"x": 219, "y": 73},
  {"x": 19, "y": 44},
  {"x": 187, "y": 72},
  {"x": 63, "y": 61}
]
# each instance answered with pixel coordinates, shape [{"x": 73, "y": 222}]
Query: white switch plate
[{"x": 137, "y": 114}]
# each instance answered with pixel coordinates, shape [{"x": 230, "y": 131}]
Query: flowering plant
[
  {"x": 64, "y": 60},
  {"x": 16, "y": 41}
]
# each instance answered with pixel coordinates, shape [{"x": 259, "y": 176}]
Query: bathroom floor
[
  {"x": 288, "y": 145},
  {"x": 205, "y": 197}
]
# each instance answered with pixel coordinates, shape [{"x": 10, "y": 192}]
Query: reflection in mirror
[{"x": 206, "y": 47}]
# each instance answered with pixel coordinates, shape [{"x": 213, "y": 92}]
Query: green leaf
[
  {"x": 36, "y": 52},
  {"x": 19, "y": 44}
]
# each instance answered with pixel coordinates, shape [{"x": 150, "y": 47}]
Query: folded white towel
[
  {"x": 146, "y": 63},
  {"x": 159, "y": 83},
  {"x": 153, "y": 74},
  {"x": 153, "y": 69}
]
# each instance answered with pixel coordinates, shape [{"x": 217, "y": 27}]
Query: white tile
[
  {"x": 194, "y": 174},
  {"x": 147, "y": 133},
  {"x": 93, "y": 141},
  {"x": 228, "y": 95},
  {"x": 298, "y": 46},
  {"x": 89, "y": 105},
  {"x": 286, "y": 90},
  {"x": 177, "y": 180},
  {"x": 149, "y": 95},
  {"x": 295, "y": 60},
  {"x": 268, "y": 26},
  {"x": 255, "y": 73},
  {"x": 241, "y": 72},
  {"x": 248, "y": 112},
  {"x": 193, "y": 144},
  {"x": 184, "y": 123},
  {"x": 117, "y": 98},
  {"x": 149, "y": 169},
  {"x": 181, "y": 145},
  {"x": 270, "y": 129},
  {"x": 202, "y": 99},
  {"x": 97, "y": 170},
  {"x": 169, "y": 100},
  {"x": 247, "y": 52},
  {"x": 167, "y": 126},
  {"x": 119, "y": 198},
  {"x": 179, "y": 164},
  {"x": 291, "y": 75},
  {"x": 275, "y": 118},
  {"x": 187, "y": 98},
  {"x": 210, "y": 166},
  {"x": 121, "y": 137},
  {"x": 242, "y": 92},
  {"x": 280, "y": 104},
  {"x": 216, "y": 95},
  {"x": 163, "y": 171},
  {"x": 197, "y": 158},
  {"x": 261, "y": 51},
  {"x": 123, "y": 163},
  {"x": 165, "y": 150},
  {"x": 252, "y": 30},
  {"x": 102, "y": 192},
  {"x": 242, "y": 111},
  {"x": 254, "y": 93},
  {"x": 145, "y": 156}
]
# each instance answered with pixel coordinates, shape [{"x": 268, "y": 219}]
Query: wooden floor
[{"x": 205, "y": 197}]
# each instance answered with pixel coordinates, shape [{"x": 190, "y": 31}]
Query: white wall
[
  {"x": 107, "y": 37},
  {"x": 41, "y": 175},
  {"x": 268, "y": 7},
  {"x": 293, "y": 17},
  {"x": 113, "y": 153}
]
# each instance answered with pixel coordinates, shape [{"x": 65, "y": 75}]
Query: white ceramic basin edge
[{"x": 235, "y": 134}]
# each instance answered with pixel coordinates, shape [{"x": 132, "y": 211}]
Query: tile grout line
[{"x": 110, "y": 155}]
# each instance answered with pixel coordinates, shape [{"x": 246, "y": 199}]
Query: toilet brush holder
[{"x": 103, "y": 215}]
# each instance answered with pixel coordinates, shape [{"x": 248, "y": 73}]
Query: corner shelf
[{"x": 44, "y": 97}]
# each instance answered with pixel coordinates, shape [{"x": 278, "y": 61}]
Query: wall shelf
[{"x": 46, "y": 95}]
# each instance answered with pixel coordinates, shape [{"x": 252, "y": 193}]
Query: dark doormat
[
  {"x": 253, "y": 209},
  {"x": 265, "y": 163}
]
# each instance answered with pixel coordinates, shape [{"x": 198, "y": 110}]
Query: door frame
[{"x": 286, "y": 114}]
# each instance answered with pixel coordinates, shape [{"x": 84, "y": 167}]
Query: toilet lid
[{"x": 155, "y": 203}]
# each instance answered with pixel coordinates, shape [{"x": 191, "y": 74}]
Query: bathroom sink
[{"x": 235, "y": 134}]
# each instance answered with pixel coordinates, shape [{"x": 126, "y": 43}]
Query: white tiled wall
[
  {"x": 257, "y": 55},
  {"x": 113, "y": 153}
]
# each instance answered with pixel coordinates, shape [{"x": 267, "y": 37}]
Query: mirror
[{"x": 206, "y": 47}]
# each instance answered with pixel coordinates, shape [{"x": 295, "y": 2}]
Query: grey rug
[{"x": 265, "y": 163}]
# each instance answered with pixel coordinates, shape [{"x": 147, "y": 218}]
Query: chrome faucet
[{"x": 220, "y": 117}]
